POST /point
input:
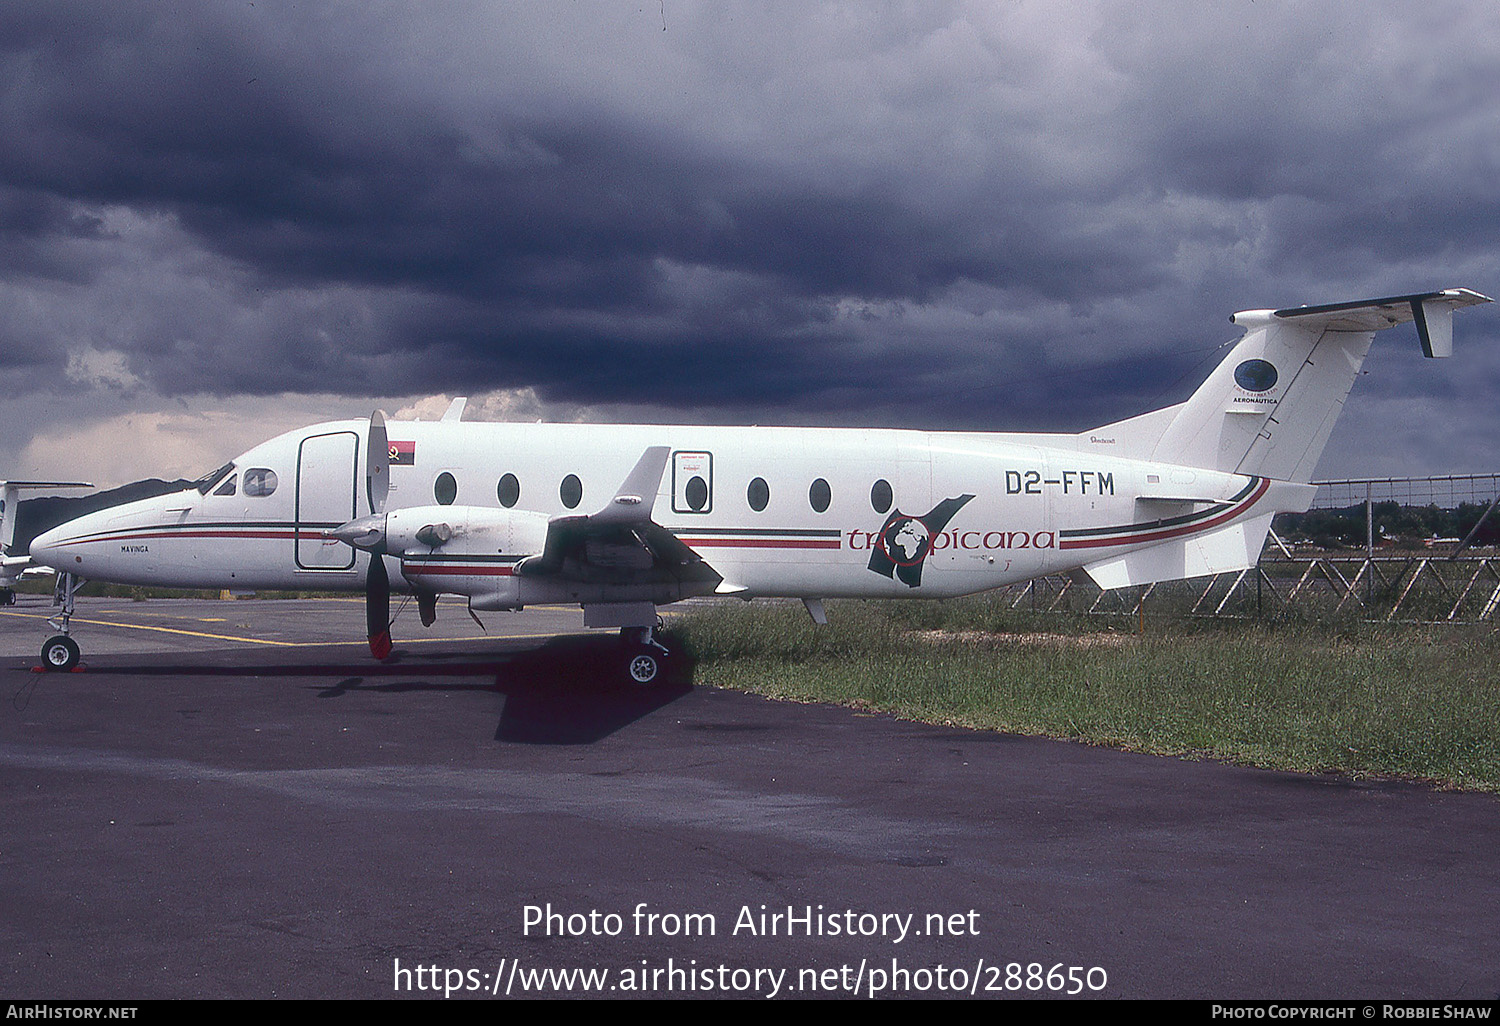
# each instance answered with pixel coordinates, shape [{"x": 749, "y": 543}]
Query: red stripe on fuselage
[
  {"x": 763, "y": 543},
  {"x": 282, "y": 534},
  {"x": 1175, "y": 532},
  {"x": 421, "y": 570}
]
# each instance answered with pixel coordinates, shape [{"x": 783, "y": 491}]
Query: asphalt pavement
[{"x": 234, "y": 800}]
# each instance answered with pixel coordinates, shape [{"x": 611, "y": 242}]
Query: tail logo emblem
[{"x": 1255, "y": 376}]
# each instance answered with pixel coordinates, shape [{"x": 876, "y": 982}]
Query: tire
[
  {"x": 60, "y": 653},
  {"x": 643, "y": 667}
]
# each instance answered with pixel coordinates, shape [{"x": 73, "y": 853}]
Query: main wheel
[
  {"x": 60, "y": 653},
  {"x": 644, "y": 667}
]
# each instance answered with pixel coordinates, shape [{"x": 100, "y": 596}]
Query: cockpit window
[
  {"x": 227, "y": 488},
  {"x": 205, "y": 483},
  {"x": 259, "y": 482}
]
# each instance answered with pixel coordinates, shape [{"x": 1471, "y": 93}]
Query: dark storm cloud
[{"x": 949, "y": 214}]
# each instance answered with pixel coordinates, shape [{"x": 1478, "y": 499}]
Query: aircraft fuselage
[{"x": 799, "y": 512}]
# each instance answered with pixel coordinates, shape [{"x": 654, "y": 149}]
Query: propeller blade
[
  {"x": 378, "y": 607},
  {"x": 377, "y": 463}
]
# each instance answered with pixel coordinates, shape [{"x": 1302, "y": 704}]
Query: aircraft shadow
[{"x": 567, "y": 691}]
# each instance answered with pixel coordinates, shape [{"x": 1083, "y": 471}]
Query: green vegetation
[
  {"x": 1346, "y": 528},
  {"x": 1404, "y": 700}
]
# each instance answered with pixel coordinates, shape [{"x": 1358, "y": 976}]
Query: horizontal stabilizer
[
  {"x": 1231, "y": 548},
  {"x": 1433, "y": 312}
]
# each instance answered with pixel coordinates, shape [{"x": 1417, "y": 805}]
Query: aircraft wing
[{"x": 621, "y": 544}]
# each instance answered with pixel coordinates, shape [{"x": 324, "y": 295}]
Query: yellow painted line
[
  {"x": 399, "y": 642},
  {"x": 163, "y": 630},
  {"x": 299, "y": 644},
  {"x": 167, "y": 616}
]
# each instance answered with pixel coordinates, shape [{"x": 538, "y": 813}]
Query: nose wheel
[{"x": 60, "y": 653}]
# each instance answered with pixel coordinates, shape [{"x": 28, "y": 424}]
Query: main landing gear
[
  {"x": 61, "y": 652},
  {"x": 645, "y": 657}
]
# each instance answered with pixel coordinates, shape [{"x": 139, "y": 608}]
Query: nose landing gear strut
[{"x": 61, "y": 652}]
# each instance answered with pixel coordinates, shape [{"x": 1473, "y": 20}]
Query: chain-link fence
[{"x": 1408, "y": 549}]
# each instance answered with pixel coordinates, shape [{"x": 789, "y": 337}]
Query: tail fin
[
  {"x": 1269, "y": 408},
  {"x": 12, "y": 564}
]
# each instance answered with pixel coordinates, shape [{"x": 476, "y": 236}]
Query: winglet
[
  {"x": 455, "y": 410},
  {"x": 633, "y": 501}
]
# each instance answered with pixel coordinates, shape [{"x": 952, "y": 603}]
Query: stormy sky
[{"x": 220, "y": 220}]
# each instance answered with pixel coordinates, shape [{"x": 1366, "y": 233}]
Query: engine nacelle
[{"x": 465, "y": 550}]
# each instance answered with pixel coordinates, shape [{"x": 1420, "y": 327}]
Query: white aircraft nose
[{"x": 50, "y": 548}]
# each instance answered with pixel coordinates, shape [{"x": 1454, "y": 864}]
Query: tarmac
[{"x": 232, "y": 799}]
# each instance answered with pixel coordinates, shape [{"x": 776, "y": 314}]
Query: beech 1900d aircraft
[{"x": 624, "y": 519}]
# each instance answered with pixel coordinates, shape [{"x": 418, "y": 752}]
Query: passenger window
[
  {"x": 227, "y": 488},
  {"x": 508, "y": 491},
  {"x": 445, "y": 489},
  {"x": 881, "y": 496},
  {"x": 820, "y": 495},
  {"x": 758, "y": 494},
  {"x": 259, "y": 482},
  {"x": 571, "y": 491}
]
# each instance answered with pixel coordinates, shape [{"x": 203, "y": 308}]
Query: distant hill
[{"x": 33, "y": 516}]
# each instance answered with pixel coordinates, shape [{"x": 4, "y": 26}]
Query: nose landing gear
[{"x": 61, "y": 652}]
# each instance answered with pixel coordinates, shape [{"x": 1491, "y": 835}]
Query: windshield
[{"x": 207, "y": 481}]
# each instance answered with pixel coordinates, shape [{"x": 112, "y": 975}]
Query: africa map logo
[{"x": 904, "y": 542}]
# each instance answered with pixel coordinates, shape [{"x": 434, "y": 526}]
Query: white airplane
[
  {"x": 14, "y": 567},
  {"x": 624, "y": 519}
]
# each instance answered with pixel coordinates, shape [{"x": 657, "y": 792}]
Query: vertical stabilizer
[
  {"x": 12, "y": 564},
  {"x": 1270, "y": 406}
]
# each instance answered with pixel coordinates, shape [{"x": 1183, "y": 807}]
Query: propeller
[
  {"x": 369, "y": 533},
  {"x": 378, "y": 606}
]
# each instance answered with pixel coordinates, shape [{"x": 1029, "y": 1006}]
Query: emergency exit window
[{"x": 692, "y": 482}]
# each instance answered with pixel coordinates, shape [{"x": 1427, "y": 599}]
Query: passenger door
[{"x": 326, "y": 495}]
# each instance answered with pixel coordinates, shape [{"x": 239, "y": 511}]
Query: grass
[{"x": 1409, "y": 701}]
